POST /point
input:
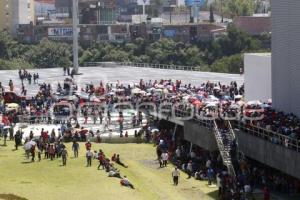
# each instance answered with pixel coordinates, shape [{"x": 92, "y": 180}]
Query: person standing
[
  {"x": 100, "y": 116},
  {"x": 95, "y": 115},
  {"x": 190, "y": 169},
  {"x": 75, "y": 148},
  {"x": 65, "y": 70},
  {"x": 37, "y": 78},
  {"x": 101, "y": 159},
  {"x": 64, "y": 154},
  {"x": 88, "y": 145},
  {"x": 51, "y": 151},
  {"x": 175, "y": 175},
  {"x": 17, "y": 139},
  {"x": 11, "y": 85},
  {"x": 121, "y": 120},
  {"x": 32, "y": 150},
  {"x": 210, "y": 175},
  {"x": 165, "y": 158},
  {"x": 29, "y": 78},
  {"x": 39, "y": 150},
  {"x": 5, "y": 135},
  {"x": 34, "y": 78},
  {"x": 108, "y": 117},
  {"x": 89, "y": 156},
  {"x": 85, "y": 116}
]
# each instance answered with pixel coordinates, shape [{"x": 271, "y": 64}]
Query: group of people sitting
[{"x": 108, "y": 165}]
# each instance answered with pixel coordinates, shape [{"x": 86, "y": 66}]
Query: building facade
[
  {"x": 285, "y": 55},
  {"x": 257, "y": 76},
  {"x": 16, "y": 12}
]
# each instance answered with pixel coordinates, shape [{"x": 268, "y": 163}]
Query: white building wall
[
  {"x": 180, "y": 2},
  {"x": 257, "y": 74},
  {"x": 286, "y": 55},
  {"x": 23, "y": 13}
]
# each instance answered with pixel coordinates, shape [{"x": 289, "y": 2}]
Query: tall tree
[{"x": 48, "y": 54}]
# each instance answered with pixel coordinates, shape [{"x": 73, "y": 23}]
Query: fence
[
  {"x": 141, "y": 65},
  {"x": 181, "y": 115},
  {"x": 274, "y": 137}
]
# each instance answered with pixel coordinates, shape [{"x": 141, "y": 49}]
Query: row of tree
[
  {"x": 45, "y": 54},
  {"x": 233, "y": 8},
  {"x": 221, "y": 55}
]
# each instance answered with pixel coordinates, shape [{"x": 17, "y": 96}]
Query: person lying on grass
[
  {"x": 113, "y": 172},
  {"x": 125, "y": 182}
]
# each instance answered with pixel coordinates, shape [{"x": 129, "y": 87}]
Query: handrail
[
  {"x": 145, "y": 65},
  {"x": 257, "y": 131},
  {"x": 227, "y": 162},
  {"x": 271, "y": 135}
]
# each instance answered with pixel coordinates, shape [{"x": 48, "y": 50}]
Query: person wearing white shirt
[
  {"x": 89, "y": 155},
  {"x": 175, "y": 175},
  {"x": 193, "y": 155},
  {"x": 190, "y": 169},
  {"x": 165, "y": 158},
  {"x": 208, "y": 163},
  {"x": 178, "y": 153},
  {"x": 247, "y": 189}
]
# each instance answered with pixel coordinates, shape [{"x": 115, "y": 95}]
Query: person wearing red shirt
[
  {"x": 113, "y": 158},
  {"x": 101, "y": 159},
  {"x": 88, "y": 145}
]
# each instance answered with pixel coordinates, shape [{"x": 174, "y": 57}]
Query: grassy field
[{"x": 49, "y": 180}]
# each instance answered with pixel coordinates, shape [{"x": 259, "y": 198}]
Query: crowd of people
[
  {"x": 95, "y": 104},
  {"x": 52, "y": 148},
  {"x": 204, "y": 165}
]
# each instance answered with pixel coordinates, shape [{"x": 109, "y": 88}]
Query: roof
[
  {"x": 253, "y": 25},
  {"x": 46, "y": 1}
]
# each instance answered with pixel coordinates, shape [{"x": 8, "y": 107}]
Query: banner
[
  {"x": 60, "y": 32},
  {"x": 143, "y": 2}
]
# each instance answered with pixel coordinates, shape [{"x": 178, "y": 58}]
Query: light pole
[
  {"x": 222, "y": 11},
  {"x": 170, "y": 1},
  {"x": 75, "y": 36}
]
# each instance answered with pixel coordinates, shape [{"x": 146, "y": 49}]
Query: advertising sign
[
  {"x": 169, "y": 33},
  {"x": 194, "y": 2},
  {"x": 60, "y": 32},
  {"x": 143, "y": 2}
]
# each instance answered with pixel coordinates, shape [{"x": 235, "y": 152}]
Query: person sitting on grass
[
  {"x": 113, "y": 172},
  {"x": 118, "y": 161},
  {"x": 113, "y": 158},
  {"x": 125, "y": 182}
]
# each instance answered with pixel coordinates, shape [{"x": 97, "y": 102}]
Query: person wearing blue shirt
[{"x": 210, "y": 175}]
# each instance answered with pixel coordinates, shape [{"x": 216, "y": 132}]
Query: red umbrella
[{"x": 197, "y": 103}]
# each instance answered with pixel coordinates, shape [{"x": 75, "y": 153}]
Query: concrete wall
[
  {"x": 276, "y": 156},
  {"x": 285, "y": 55},
  {"x": 258, "y": 76},
  {"x": 200, "y": 136}
]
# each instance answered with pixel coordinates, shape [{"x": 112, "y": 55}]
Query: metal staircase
[{"x": 224, "y": 141}]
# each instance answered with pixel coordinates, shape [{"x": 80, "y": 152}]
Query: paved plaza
[{"x": 124, "y": 74}]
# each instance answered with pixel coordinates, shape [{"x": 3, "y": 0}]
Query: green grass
[{"x": 48, "y": 180}]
